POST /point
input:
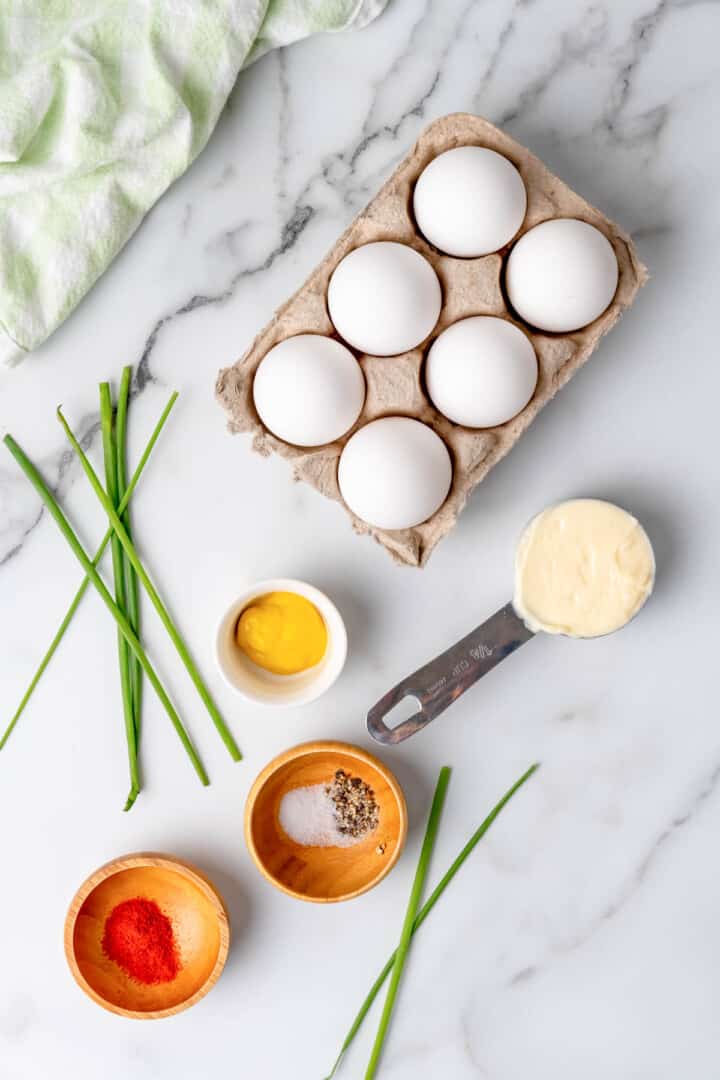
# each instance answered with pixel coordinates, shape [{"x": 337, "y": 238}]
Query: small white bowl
[{"x": 264, "y": 687}]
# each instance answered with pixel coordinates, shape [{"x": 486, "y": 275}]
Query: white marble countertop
[{"x": 582, "y": 938}]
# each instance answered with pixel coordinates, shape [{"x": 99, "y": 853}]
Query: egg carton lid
[{"x": 470, "y": 287}]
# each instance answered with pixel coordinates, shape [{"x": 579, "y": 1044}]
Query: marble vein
[
  {"x": 649, "y": 125},
  {"x": 372, "y": 129},
  {"x": 292, "y": 229},
  {"x": 63, "y": 465},
  {"x": 629, "y": 890},
  {"x": 506, "y": 33},
  {"x": 575, "y": 45},
  {"x": 284, "y": 128}
]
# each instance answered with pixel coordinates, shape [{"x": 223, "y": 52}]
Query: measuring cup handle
[{"x": 444, "y": 679}]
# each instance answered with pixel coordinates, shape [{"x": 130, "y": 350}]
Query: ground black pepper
[{"x": 356, "y": 810}]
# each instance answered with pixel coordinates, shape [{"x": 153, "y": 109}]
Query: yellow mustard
[{"x": 282, "y": 632}]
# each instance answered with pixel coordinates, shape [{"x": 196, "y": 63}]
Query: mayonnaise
[{"x": 582, "y": 568}]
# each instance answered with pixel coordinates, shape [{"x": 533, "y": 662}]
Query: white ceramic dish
[{"x": 263, "y": 687}]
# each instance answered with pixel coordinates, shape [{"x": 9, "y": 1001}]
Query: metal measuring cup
[{"x": 437, "y": 684}]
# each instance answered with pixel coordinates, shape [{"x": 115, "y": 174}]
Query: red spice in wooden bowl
[{"x": 139, "y": 938}]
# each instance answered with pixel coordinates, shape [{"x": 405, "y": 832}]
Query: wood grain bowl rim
[
  {"x": 324, "y": 746},
  {"x": 133, "y": 861}
]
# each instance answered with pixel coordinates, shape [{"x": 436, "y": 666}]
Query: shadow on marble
[
  {"x": 356, "y": 612},
  {"x": 418, "y": 788}
]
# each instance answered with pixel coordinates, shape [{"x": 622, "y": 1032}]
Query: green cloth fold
[{"x": 102, "y": 105}]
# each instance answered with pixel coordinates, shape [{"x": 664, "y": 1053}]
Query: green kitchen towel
[{"x": 103, "y": 103}]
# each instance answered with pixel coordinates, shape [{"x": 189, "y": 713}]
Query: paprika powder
[{"x": 139, "y": 938}]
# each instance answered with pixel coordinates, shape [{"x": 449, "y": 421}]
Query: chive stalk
[
  {"x": 152, "y": 592},
  {"x": 410, "y": 916},
  {"x": 427, "y": 908},
  {"x": 75, "y": 604},
  {"x": 110, "y": 460},
  {"x": 84, "y": 559},
  {"x": 133, "y": 597}
]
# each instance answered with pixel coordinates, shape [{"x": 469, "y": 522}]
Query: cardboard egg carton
[{"x": 470, "y": 287}]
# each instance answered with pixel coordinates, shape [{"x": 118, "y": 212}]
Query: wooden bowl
[
  {"x": 200, "y": 925},
  {"x": 323, "y": 874}
]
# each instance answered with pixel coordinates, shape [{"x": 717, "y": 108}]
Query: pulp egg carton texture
[{"x": 470, "y": 286}]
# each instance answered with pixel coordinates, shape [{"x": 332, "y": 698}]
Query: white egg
[
  {"x": 561, "y": 275},
  {"x": 384, "y": 298},
  {"x": 481, "y": 371},
  {"x": 309, "y": 390},
  {"x": 395, "y": 472},
  {"x": 469, "y": 201}
]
